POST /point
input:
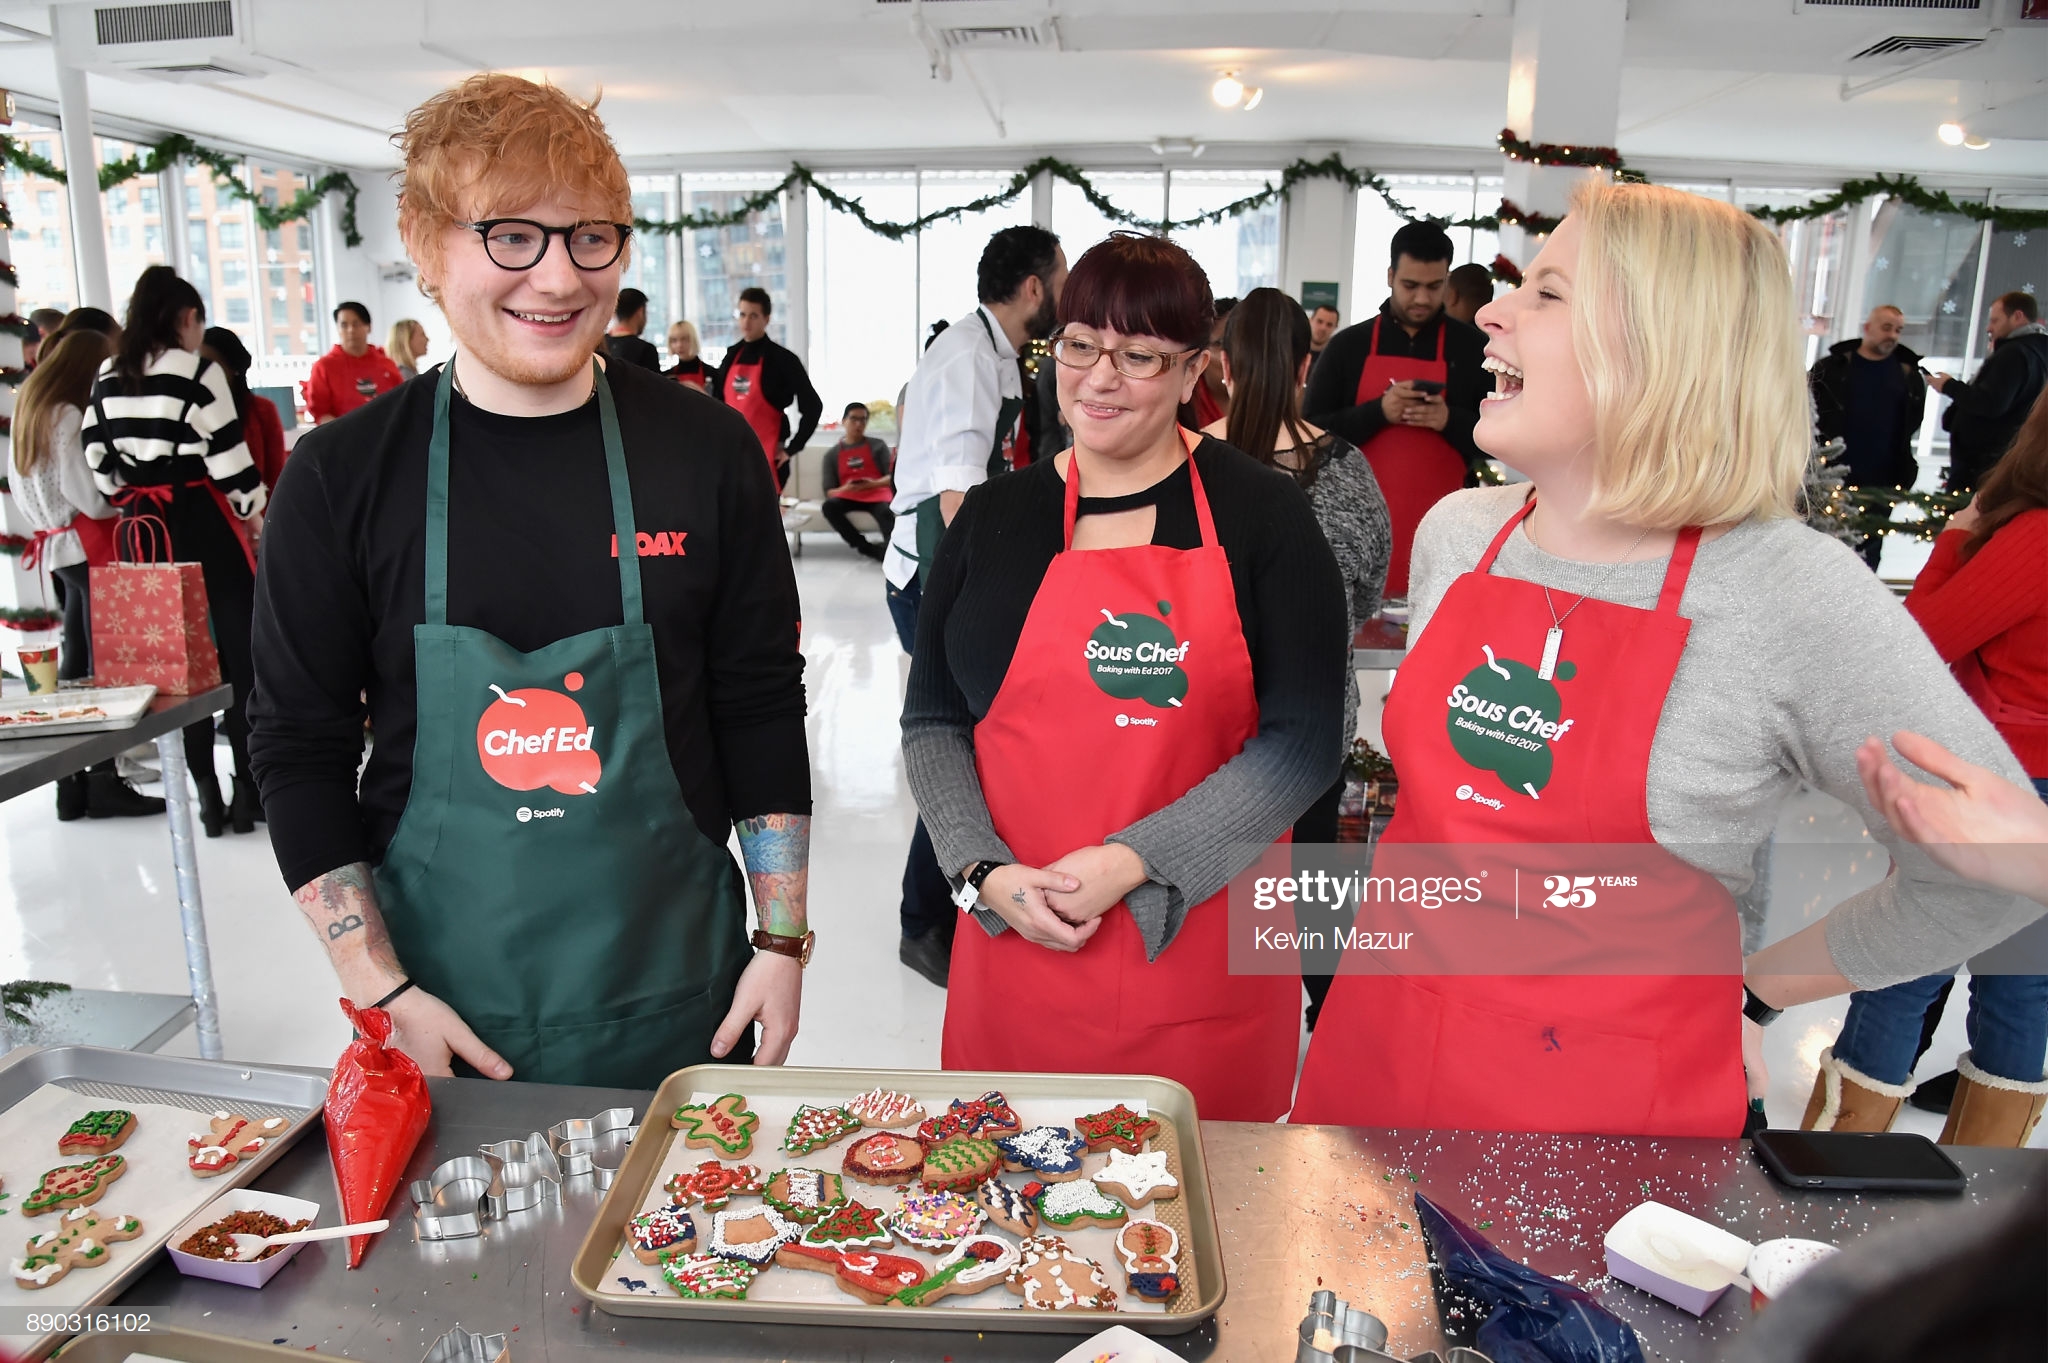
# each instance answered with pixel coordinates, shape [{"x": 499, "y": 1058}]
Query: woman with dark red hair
[{"x": 1129, "y": 680}]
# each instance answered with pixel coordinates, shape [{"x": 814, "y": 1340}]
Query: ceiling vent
[
  {"x": 1900, "y": 48},
  {"x": 197, "y": 41},
  {"x": 982, "y": 37},
  {"x": 1967, "y": 6}
]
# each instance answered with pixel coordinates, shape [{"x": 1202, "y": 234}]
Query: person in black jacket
[
  {"x": 1985, "y": 413},
  {"x": 1868, "y": 394},
  {"x": 624, "y": 341},
  {"x": 760, "y": 379}
]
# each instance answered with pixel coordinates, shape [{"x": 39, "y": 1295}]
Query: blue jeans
[
  {"x": 2008, "y": 1023},
  {"x": 903, "y": 602}
]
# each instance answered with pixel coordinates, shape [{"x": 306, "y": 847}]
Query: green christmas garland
[
  {"x": 1908, "y": 190},
  {"x": 226, "y": 171}
]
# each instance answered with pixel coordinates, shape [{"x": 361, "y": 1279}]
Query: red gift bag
[{"x": 149, "y": 616}]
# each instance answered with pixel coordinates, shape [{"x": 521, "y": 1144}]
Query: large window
[
  {"x": 1816, "y": 250},
  {"x": 285, "y": 268},
  {"x": 864, "y": 318},
  {"x": 1447, "y": 197},
  {"x": 1925, "y": 264},
  {"x": 217, "y": 250},
  {"x": 1238, "y": 254},
  {"x": 134, "y": 226},
  {"x": 652, "y": 265},
  {"x": 40, "y": 244},
  {"x": 949, "y": 253},
  {"x": 1080, "y": 225},
  {"x": 720, "y": 261}
]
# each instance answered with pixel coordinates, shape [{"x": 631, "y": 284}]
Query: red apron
[
  {"x": 1416, "y": 467},
  {"x": 1080, "y": 743},
  {"x": 858, "y": 461},
  {"x": 95, "y": 537},
  {"x": 1625, "y": 1055},
  {"x": 743, "y": 393},
  {"x": 131, "y": 500}
]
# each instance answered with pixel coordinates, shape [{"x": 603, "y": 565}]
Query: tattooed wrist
[
  {"x": 341, "y": 906},
  {"x": 777, "y": 850}
]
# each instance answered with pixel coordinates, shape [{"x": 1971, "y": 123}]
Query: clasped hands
[{"x": 1060, "y": 906}]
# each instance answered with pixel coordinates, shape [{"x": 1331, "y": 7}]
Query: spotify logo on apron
[
  {"x": 533, "y": 739},
  {"x": 1503, "y": 718},
  {"x": 1136, "y": 657}
]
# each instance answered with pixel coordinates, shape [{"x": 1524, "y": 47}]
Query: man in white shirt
[{"x": 958, "y": 420}]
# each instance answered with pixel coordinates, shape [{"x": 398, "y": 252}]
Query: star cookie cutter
[
  {"x": 528, "y": 1170},
  {"x": 594, "y": 1145},
  {"x": 458, "y": 1197},
  {"x": 466, "y": 1346}
]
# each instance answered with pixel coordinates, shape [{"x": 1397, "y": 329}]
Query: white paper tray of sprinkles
[
  {"x": 839, "y": 1250},
  {"x": 46, "y": 1092}
]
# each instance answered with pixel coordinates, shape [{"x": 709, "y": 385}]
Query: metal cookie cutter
[
  {"x": 594, "y": 1145},
  {"x": 457, "y": 1198},
  {"x": 467, "y": 1346},
  {"x": 527, "y": 1169}
]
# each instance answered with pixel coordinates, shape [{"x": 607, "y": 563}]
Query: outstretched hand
[{"x": 1980, "y": 826}]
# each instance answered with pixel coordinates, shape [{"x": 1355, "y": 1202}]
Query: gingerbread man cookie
[
  {"x": 1117, "y": 1128},
  {"x": 80, "y": 1241},
  {"x": 724, "y": 1124},
  {"x": 701, "y": 1277},
  {"x": 1051, "y": 1277},
  {"x": 850, "y": 1226},
  {"x": 1074, "y": 1205},
  {"x": 1138, "y": 1179},
  {"x": 73, "y": 1185},
  {"x": 230, "y": 1139},
  {"x": 935, "y": 1220},
  {"x": 884, "y": 1158},
  {"x": 713, "y": 1184},
  {"x": 1151, "y": 1254},
  {"x": 880, "y": 1107},
  {"x": 804, "y": 1194},
  {"x": 97, "y": 1133},
  {"x": 959, "y": 1163},
  {"x": 662, "y": 1234},
  {"x": 874, "y": 1278},
  {"x": 976, "y": 1263},
  {"x": 814, "y": 1128}
]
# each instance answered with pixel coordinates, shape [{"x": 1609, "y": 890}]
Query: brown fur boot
[
  {"x": 1845, "y": 1099},
  {"x": 1992, "y": 1111}
]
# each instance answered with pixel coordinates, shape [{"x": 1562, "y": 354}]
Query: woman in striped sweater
[{"x": 163, "y": 439}]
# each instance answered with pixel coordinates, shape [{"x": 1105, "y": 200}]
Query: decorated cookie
[
  {"x": 1138, "y": 1179},
  {"x": 661, "y": 1234},
  {"x": 80, "y": 1241},
  {"x": 1071, "y": 1206},
  {"x": 1053, "y": 1153},
  {"x": 958, "y": 1163},
  {"x": 804, "y": 1194},
  {"x": 97, "y": 1133},
  {"x": 814, "y": 1128},
  {"x": 976, "y": 1263},
  {"x": 724, "y": 1124},
  {"x": 228, "y": 1141},
  {"x": 751, "y": 1236},
  {"x": 850, "y": 1226},
  {"x": 1007, "y": 1207},
  {"x": 884, "y": 1158},
  {"x": 886, "y": 1108},
  {"x": 1051, "y": 1277},
  {"x": 1151, "y": 1254},
  {"x": 701, "y": 1277},
  {"x": 989, "y": 1115},
  {"x": 713, "y": 1184},
  {"x": 872, "y": 1277},
  {"x": 936, "y": 1220},
  {"x": 73, "y": 1185},
  {"x": 1119, "y": 1128}
]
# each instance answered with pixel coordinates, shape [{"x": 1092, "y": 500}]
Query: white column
[
  {"x": 170, "y": 195},
  {"x": 88, "y": 231},
  {"x": 1318, "y": 222},
  {"x": 1564, "y": 86},
  {"x": 796, "y": 270},
  {"x": 1041, "y": 200}
]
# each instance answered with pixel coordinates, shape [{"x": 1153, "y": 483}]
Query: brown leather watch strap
[{"x": 799, "y": 947}]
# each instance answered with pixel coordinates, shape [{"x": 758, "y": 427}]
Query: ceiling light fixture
[
  {"x": 1251, "y": 100},
  {"x": 1228, "y": 91},
  {"x": 1951, "y": 133},
  {"x": 1976, "y": 143}
]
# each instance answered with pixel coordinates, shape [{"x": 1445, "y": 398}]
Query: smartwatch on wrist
[
  {"x": 1756, "y": 1010},
  {"x": 969, "y": 893}
]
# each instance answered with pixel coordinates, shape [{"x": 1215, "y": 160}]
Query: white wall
[{"x": 377, "y": 273}]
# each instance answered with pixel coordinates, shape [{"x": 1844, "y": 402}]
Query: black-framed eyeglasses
[
  {"x": 519, "y": 243},
  {"x": 1133, "y": 362}
]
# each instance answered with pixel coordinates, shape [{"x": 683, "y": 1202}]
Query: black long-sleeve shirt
[
  {"x": 1986, "y": 413},
  {"x": 342, "y": 583},
  {"x": 783, "y": 380},
  {"x": 1332, "y": 397}
]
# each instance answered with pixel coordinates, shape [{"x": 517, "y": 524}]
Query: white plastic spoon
[{"x": 248, "y": 1247}]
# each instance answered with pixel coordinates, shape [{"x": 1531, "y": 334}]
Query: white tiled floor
[{"x": 92, "y": 904}]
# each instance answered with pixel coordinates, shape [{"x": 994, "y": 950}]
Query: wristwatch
[
  {"x": 799, "y": 947},
  {"x": 1756, "y": 1010},
  {"x": 969, "y": 893}
]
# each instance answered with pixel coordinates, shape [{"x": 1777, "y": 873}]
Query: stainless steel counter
[{"x": 1300, "y": 1207}]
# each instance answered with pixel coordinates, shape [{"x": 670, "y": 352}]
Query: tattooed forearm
[
  {"x": 777, "y": 849},
  {"x": 342, "y": 908}
]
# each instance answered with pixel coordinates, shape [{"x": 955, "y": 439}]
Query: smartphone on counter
[
  {"x": 1878, "y": 1161},
  {"x": 1426, "y": 387}
]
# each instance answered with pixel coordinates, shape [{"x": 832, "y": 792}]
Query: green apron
[
  {"x": 547, "y": 879},
  {"x": 931, "y": 522}
]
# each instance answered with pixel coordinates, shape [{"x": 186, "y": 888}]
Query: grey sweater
[
  {"x": 1353, "y": 514},
  {"x": 1797, "y": 654}
]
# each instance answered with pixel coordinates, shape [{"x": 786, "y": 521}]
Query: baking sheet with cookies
[
  {"x": 608, "y": 1273},
  {"x": 43, "y": 1091}
]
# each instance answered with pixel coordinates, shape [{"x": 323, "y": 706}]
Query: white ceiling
[{"x": 1719, "y": 81}]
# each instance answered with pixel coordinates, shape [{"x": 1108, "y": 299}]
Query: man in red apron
[
  {"x": 1405, "y": 388},
  {"x": 1612, "y": 1054},
  {"x": 759, "y": 379}
]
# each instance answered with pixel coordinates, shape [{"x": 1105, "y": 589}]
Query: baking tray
[
  {"x": 201, "y": 1086},
  {"x": 183, "y": 1346},
  {"x": 124, "y": 706},
  {"x": 587, "y": 1271}
]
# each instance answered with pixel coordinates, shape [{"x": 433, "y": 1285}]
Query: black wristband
[
  {"x": 404, "y": 985},
  {"x": 982, "y": 870},
  {"x": 1756, "y": 1010}
]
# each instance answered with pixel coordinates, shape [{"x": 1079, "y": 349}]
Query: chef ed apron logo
[
  {"x": 1135, "y": 656},
  {"x": 1504, "y": 717},
  {"x": 531, "y": 738}
]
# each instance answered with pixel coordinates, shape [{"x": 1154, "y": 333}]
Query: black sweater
[
  {"x": 783, "y": 380},
  {"x": 341, "y": 585},
  {"x": 1332, "y": 397}
]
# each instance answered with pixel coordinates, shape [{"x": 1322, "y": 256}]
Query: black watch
[{"x": 1756, "y": 1010}]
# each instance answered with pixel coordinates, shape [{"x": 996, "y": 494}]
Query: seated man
[{"x": 857, "y": 475}]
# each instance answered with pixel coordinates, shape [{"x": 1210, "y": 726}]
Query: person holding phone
[{"x": 1405, "y": 388}]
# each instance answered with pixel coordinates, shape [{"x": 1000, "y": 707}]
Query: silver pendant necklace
[{"x": 1553, "y": 641}]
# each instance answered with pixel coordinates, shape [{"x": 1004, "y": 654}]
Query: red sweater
[
  {"x": 341, "y": 382},
  {"x": 1996, "y": 606},
  {"x": 263, "y": 431}
]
